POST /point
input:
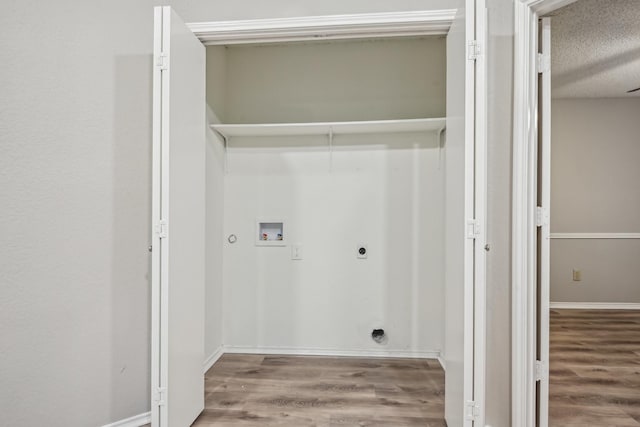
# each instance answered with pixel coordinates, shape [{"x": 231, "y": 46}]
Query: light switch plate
[{"x": 296, "y": 251}]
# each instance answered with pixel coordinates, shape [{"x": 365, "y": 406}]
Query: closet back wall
[
  {"x": 385, "y": 191},
  {"x": 332, "y": 81}
]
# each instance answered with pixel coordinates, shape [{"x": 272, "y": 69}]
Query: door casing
[
  {"x": 393, "y": 25},
  {"x": 524, "y": 234}
]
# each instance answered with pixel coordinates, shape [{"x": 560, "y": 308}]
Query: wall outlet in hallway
[{"x": 577, "y": 275}]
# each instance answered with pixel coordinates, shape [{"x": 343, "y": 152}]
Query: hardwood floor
[
  {"x": 257, "y": 390},
  {"x": 594, "y": 368}
]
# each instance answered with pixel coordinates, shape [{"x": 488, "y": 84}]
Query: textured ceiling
[{"x": 595, "y": 49}]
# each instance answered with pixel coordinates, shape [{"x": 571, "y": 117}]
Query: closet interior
[{"x": 326, "y": 169}]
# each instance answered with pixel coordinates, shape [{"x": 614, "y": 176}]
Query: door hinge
[
  {"x": 472, "y": 410},
  {"x": 542, "y": 216},
  {"x": 473, "y": 228},
  {"x": 473, "y": 50},
  {"x": 160, "y": 396},
  {"x": 543, "y": 63},
  {"x": 162, "y": 61},
  {"x": 541, "y": 370},
  {"x": 162, "y": 229}
]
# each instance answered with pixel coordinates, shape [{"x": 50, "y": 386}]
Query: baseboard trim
[
  {"x": 596, "y": 305},
  {"x": 213, "y": 358},
  {"x": 135, "y": 421},
  {"x": 441, "y": 361},
  {"x": 289, "y": 351}
]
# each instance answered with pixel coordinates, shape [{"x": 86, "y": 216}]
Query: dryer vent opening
[{"x": 378, "y": 335}]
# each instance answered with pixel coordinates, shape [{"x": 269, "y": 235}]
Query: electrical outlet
[
  {"x": 362, "y": 251},
  {"x": 577, "y": 275}
]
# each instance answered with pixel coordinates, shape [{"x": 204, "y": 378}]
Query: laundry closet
[
  {"x": 325, "y": 210},
  {"x": 301, "y": 199}
]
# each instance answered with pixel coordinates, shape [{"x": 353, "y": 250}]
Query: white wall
[
  {"x": 197, "y": 11},
  {"x": 382, "y": 190},
  {"x": 75, "y": 147},
  {"x": 594, "y": 179},
  {"x": 332, "y": 81},
  {"x": 214, "y": 218},
  {"x": 217, "y": 82}
]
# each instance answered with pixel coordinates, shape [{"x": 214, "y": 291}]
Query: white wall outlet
[
  {"x": 296, "y": 251},
  {"x": 577, "y": 275},
  {"x": 363, "y": 251}
]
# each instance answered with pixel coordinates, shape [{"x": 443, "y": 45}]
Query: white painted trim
[
  {"x": 393, "y": 24},
  {"x": 523, "y": 217},
  {"x": 135, "y": 421},
  {"x": 213, "y": 358},
  {"x": 596, "y": 305},
  {"x": 442, "y": 363},
  {"x": 479, "y": 279},
  {"x": 480, "y": 210},
  {"x": 470, "y": 171},
  {"x": 524, "y": 184},
  {"x": 595, "y": 236},
  {"x": 160, "y": 413},
  {"x": 291, "y": 351},
  {"x": 543, "y": 7},
  {"x": 327, "y": 128},
  {"x": 544, "y": 204},
  {"x": 156, "y": 217}
]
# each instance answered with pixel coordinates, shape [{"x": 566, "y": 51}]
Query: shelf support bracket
[
  {"x": 226, "y": 154},
  {"x": 225, "y": 141},
  {"x": 330, "y": 149},
  {"x": 439, "y": 137}
]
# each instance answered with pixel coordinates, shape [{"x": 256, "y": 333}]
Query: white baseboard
[
  {"x": 213, "y": 358},
  {"x": 135, "y": 421},
  {"x": 289, "y": 351},
  {"x": 596, "y": 305},
  {"x": 441, "y": 361}
]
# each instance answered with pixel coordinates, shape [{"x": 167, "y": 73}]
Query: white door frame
[
  {"x": 413, "y": 23},
  {"x": 525, "y": 178},
  {"x": 480, "y": 213},
  {"x": 543, "y": 220},
  {"x": 333, "y": 27}
]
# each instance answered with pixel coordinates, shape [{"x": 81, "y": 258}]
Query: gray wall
[
  {"x": 594, "y": 178},
  {"x": 336, "y": 81},
  {"x": 75, "y": 145},
  {"x": 75, "y": 151}
]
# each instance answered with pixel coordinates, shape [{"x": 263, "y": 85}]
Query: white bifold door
[
  {"x": 465, "y": 218},
  {"x": 178, "y": 223}
]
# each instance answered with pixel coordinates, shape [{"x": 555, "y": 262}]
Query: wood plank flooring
[
  {"x": 259, "y": 390},
  {"x": 594, "y": 368}
]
